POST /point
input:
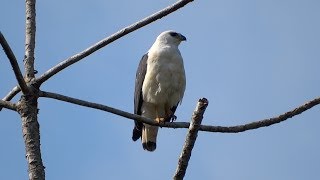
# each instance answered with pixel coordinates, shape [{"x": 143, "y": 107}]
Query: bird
[{"x": 159, "y": 86}]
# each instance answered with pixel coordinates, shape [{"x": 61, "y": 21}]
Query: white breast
[{"x": 165, "y": 79}]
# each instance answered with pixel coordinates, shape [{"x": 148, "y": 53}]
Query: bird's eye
[{"x": 174, "y": 34}]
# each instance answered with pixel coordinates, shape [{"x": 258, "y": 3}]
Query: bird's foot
[
  {"x": 170, "y": 117},
  {"x": 160, "y": 120},
  {"x": 173, "y": 118}
]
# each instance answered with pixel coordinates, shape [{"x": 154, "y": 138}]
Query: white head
[{"x": 171, "y": 37}]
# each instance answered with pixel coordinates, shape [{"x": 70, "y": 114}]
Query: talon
[
  {"x": 170, "y": 117},
  {"x": 173, "y": 118},
  {"x": 160, "y": 120}
]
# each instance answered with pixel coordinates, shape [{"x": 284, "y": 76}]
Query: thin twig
[
  {"x": 14, "y": 64},
  {"x": 207, "y": 128},
  {"x": 263, "y": 123},
  {"x": 77, "y": 57},
  {"x": 190, "y": 139},
  {"x": 11, "y": 94},
  {"x": 8, "y": 105}
]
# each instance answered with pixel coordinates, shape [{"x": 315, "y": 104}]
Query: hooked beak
[{"x": 182, "y": 37}]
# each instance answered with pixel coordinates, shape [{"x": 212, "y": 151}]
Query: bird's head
[{"x": 171, "y": 37}]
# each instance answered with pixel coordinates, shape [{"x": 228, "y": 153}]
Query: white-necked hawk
[{"x": 159, "y": 86}]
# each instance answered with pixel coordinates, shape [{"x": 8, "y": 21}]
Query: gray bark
[
  {"x": 27, "y": 108},
  {"x": 191, "y": 138}
]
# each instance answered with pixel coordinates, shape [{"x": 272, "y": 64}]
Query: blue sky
[{"x": 251, "y": 59}]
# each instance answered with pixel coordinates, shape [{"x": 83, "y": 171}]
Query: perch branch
[
  {"x": 77, "y": 57},
  {"x": 97, "y": 106},
  {"x": 190, "y": 139},
  {"x": 14, "y": 64},
  {"x": 207, "y": 128},
  {"x": 8, "y": 105}
]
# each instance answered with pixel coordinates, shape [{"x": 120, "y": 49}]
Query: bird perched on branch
[{"x": 159, "y": 86}]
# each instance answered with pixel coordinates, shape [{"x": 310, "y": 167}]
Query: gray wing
[{"x": 141, "y": 72}]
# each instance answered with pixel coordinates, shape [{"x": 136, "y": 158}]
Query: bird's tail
[{"x": 149, "y": 137}]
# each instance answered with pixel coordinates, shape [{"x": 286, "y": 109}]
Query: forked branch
[
  {"x": 77, "y": 57},
  {"x": 8, "y": 105},
  {"x": 10, "y": 95},
  {"x": 27, "y": 106}
]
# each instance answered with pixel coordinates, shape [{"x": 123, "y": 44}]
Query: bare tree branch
[
  {"x": 14, "y": 64},
  {"x": 10, "y": 95},
  {"x": 208, "y": 128},
  {"x": 77, "y": 57},
  {"x": 30, "y": 39},
  {"x": 8, "y": 105},
  {"x": 264, "y": 122},
  {"x": 98, "y": 106},
  {"x": 27, "y": 106},
  {"x": 190, "y": 139}
]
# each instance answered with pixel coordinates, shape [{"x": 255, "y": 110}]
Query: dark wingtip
[
  {"x": 136, "y": 134},
  {"x": 149, "y": 146}
]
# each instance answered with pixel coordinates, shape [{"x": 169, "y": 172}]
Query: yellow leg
[{"x": 159, "y": 119}]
